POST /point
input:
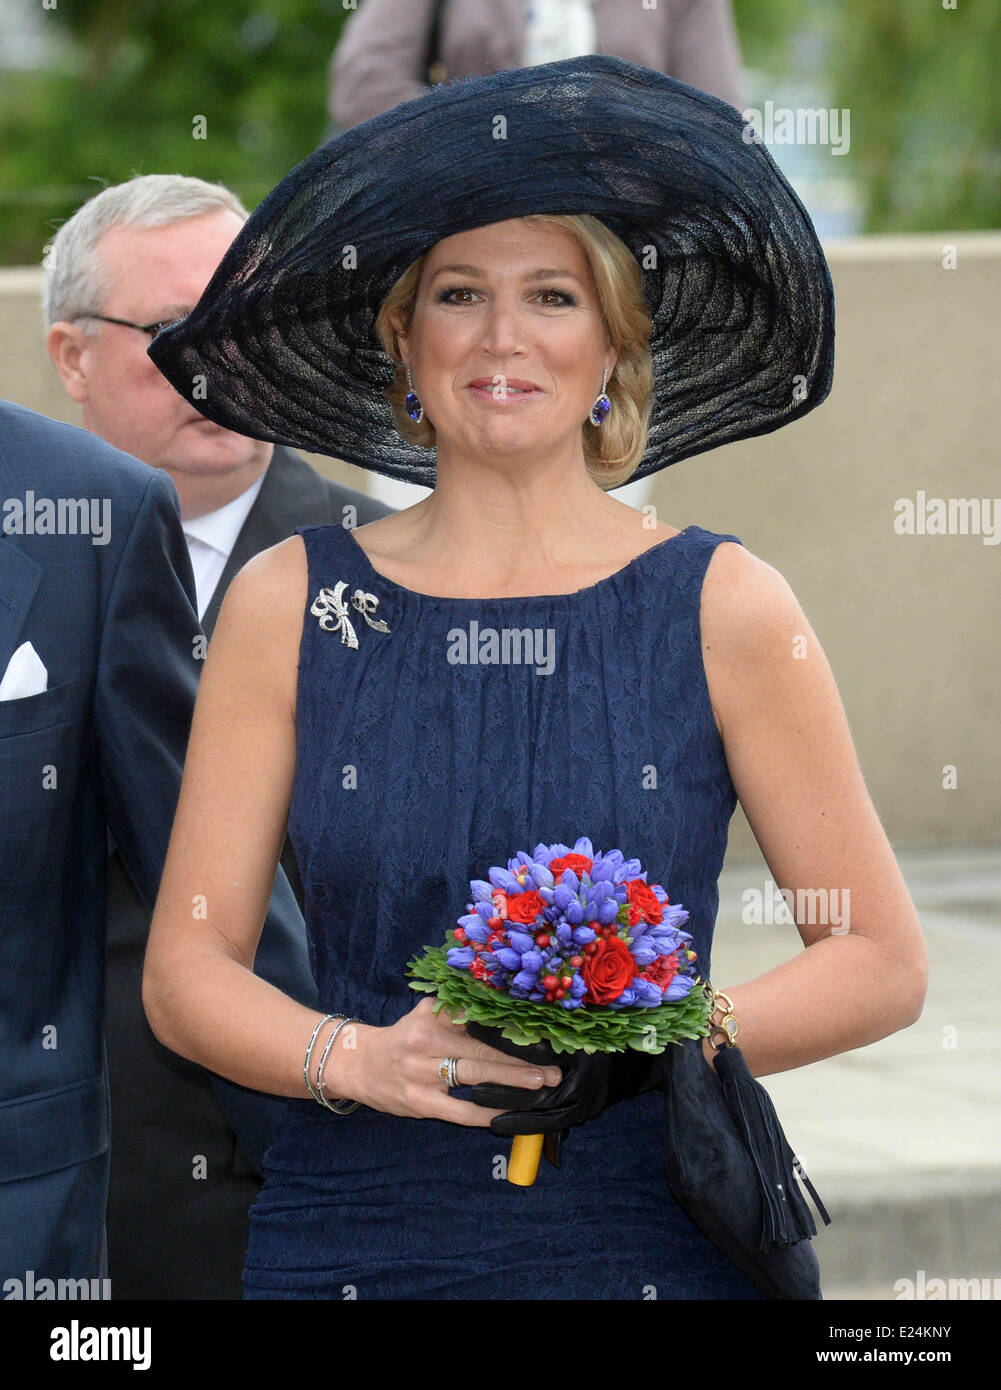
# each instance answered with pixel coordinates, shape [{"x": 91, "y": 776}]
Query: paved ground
[{"x": 902, "y": 1139}]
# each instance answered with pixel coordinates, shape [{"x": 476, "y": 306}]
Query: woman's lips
[{"x": 501, "y": 395}]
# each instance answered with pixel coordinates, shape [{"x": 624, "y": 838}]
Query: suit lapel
[
  {"x": 20, "y": 576},
  {"x": 19, "y": 580},
  {"x": 292, "y": 494}
]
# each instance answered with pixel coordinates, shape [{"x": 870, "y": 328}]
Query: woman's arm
[
  {"x": 199, "y": 990},
  {"x": 796, "y": 772}
]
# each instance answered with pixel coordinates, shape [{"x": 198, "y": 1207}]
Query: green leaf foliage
[{"x": 582, "y": 1030}]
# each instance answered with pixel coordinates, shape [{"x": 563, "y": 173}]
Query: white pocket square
[{"x": 25, "y": 674}]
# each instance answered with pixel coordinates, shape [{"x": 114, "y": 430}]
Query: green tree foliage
[
  {"x": 918, "y": 78},
  {"x": 922, "y": 82},
  {"x": 127, "y": 103}
]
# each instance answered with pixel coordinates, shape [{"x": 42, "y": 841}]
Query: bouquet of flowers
[{"x": 573, "y": 948}]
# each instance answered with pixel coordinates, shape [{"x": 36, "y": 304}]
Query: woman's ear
[{"x": 402, "y": 339}]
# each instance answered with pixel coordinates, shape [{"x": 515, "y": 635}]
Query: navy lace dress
[{"x": 416, "y": 771}]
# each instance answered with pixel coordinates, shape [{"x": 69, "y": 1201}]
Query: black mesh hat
[{"x": 282, "y": 345}]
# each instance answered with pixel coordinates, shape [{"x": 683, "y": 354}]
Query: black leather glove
[{"x": 591, "y": 1083}]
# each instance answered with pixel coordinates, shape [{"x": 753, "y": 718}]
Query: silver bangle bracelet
[
  {"x": 340, "y": 1106},
  {"x": 309, "y": 1055}
]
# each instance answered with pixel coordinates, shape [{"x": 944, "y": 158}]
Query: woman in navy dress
[{"x": 356, "y": 683}]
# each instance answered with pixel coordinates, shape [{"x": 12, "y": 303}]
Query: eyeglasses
[{"x": 151, "y": 328}]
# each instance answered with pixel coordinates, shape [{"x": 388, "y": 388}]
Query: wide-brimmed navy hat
[{"x": 282, "y": 347}]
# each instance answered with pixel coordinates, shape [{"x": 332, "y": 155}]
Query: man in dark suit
[
  {"x": 184, "y": 1173},
  {"x": 98, "y": 655}
]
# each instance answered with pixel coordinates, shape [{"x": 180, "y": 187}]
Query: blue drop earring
[
  {"x": 414, "y": 408},
  {"x": 602, "y": 405}
]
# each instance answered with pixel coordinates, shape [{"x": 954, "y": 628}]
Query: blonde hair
[{"x": 613, "y": 450}]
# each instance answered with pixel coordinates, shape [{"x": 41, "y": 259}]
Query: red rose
[
  {"x": 661, "y": 971},
  {"x": 525, "y": 907},
  {"x": 609, "y": 970},
  {"x": 641, "y": 895},
  {"x": 578, "y": 862}
]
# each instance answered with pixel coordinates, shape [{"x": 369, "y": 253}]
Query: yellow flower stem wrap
[{"x": 523, "y": 1165}]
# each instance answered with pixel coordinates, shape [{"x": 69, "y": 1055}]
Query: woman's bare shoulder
[
  {"x": 750, "y": 620},
  {"x": 260, "y": 619},
  {"x": 747, "y": 604},
  {"x": 273, "y": 583}
]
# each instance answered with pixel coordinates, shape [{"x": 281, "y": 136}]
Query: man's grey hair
[{"x": 75, "y": 280}]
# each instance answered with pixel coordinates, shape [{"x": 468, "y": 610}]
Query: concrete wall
[{"x": 911, "y": 624}]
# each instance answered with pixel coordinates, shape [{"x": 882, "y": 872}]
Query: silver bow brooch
[{"x": 332, "y": 611}]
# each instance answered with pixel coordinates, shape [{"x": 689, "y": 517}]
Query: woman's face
[{"x": 499, "y": 308}]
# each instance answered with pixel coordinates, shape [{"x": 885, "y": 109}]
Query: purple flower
[
  {"x": 543, "y": 878},
  {"x": 503, "y": 878},
  {"x": 461, "y": 957},
  {"x": 520, "y": 941},
  {"x": 511, "y": 960},
  {"x": 644, "y": 955},
  {"x": 678, "y": 988},
  {"x": 478, "y": 930},
  {"x": 646, "y": 992}
]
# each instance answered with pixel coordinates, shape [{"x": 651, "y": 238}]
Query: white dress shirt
[
  {"x": 211, "y": 539},
  {"x": 557, "y": 29}
]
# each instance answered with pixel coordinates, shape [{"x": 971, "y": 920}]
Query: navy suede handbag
[
  {"x": 730, "y": 1168},
  {"x": 727, "y": 1161}
]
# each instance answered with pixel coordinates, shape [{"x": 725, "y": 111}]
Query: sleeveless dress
[{"x": 424, "y": 758}]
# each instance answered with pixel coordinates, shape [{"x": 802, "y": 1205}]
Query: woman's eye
[{"x": 561, "y": 297}]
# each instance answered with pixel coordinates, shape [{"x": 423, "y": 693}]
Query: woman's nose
[{"x": 502, "y": 331}]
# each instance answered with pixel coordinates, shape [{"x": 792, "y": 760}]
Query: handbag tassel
[{"x": 787, "y": 1218}]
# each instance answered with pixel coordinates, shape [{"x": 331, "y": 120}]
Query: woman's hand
[
  {"x": 591, "y": 1083},
  {"x": 395, "y": 1069}
]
